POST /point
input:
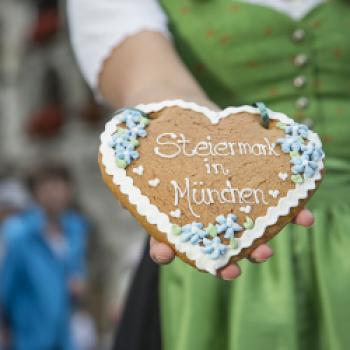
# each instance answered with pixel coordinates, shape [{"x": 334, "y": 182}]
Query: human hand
[{"x": 162, "y": 254}]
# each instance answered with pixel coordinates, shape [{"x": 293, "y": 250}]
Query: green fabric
[{"x": 243, "y": 53}]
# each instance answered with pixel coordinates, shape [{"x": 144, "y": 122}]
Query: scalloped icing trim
[{"x": 155, "y": 217}]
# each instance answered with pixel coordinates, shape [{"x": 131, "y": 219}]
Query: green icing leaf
[
  {"x": 121, "y": 163},
  {"x": 134, "y": 142},
  {"x": 297, "y": 179},
  {"x": 212, "y": 231},
  {"x": 294, "y": 154},
  {"x": 280, "y": 125},
  {"x": 175, "y": 229},
  {"x": 301, "y": 140},
  {"x": 234, "y": 243},
  {"x": 249, "y": 223},
  {"x": 120, "y": 131},
  {"x": 144, "y": 121}
]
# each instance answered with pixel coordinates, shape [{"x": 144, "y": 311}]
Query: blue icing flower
[
  {"x": 141, "y": 121},
  {"x": 314, "y": 152},
  {"x": 303, "y": 165},
  {"x": 304, "y": 157},
  {"x": 290, "y": 143},
  {"x": 214, "y": 248},
  {"x": 129, "y": 115},
  {"x": 127, "y": 154},
  {"x": 123, "y": 140},
  {"x": 137, "y": 129},
  {"x": 120, "y": 139},
  {"x": 296, "y": 130},
  {"x": 193, "y": 232},
  {"x": 228, "y": 225}
]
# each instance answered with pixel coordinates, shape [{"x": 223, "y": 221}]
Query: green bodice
[{"x": 242, "y": 53}]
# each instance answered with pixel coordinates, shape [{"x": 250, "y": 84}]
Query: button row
[{"x": 300, "y": 61}]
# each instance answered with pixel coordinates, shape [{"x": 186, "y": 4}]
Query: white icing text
[
  {"x": 196, "y": 194},
  {"x": 178, "y": 144}
]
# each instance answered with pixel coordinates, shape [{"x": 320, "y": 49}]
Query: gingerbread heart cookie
[{"x": 213, "y": 185}]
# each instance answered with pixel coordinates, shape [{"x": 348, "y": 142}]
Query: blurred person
[
  {"x": 13, "y": 199},
  {"x": 293, "y": 55},
  {"x": 43, "y": 266}
]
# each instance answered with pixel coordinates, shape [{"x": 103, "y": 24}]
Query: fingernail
[
  {"x": 162, "y": 259},
  {"x": 259, "y": 261}
]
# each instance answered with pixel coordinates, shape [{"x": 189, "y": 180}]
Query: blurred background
[{"x": 48, "y": 117}]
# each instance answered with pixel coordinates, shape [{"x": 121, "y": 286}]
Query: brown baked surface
[{"x": 248, "y": 171}]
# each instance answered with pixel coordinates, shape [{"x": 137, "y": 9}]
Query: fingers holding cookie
[
  {"x": 261, "y": 254},
  {"x": 229, "y": 272},
  {"x": 304, "y": 218},
  {"x": 160, "y": 252}
]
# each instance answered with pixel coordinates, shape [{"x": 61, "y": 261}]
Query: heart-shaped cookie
[{"x": 213, "y": 185}]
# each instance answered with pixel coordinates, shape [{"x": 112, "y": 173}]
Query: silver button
[
  {"x": 300, "y": 60},
  {"x": 308, "y": 122},
  {"x": 298, "y": 35},
  {"x": 299, "y": 81},
  {"x": 302, "y": 102}
]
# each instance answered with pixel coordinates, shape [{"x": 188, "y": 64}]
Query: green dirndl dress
[{"x": 242, "y": 53}]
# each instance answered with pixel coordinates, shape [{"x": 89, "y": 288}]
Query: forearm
[{"x": 146, "y": 68}]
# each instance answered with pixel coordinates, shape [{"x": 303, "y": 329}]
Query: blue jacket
[{"x": 34, "y": 281}]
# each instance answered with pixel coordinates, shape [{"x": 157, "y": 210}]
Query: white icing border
[{"x": 161, "y": 220}]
